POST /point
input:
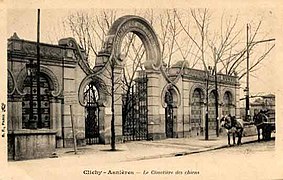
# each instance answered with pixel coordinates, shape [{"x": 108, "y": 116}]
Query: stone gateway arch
[
  {"x": 111, "y": 52},
  {"x": 171, "y": 102},
  {"x": 143, "y": 30}
]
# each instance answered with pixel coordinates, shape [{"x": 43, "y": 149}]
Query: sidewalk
[
  {"x": 141, "y": 150},
  {"x": 128, "y": 157}
]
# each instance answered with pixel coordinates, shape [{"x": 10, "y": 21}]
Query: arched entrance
[
  {"x": 91, "y": 97},
  {"x": 169, "y": 114},
  {"x": 227, "y": 103},
  {"x": 197, "y": 112},
  {"x": 109, "y": 62},
  {"x": 171, "y": 101}
]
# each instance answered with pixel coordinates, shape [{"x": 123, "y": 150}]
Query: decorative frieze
[
  {"x": 200, "y": 75},
  {"x": 27, "y": 49}
]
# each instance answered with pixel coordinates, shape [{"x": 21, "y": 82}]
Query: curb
[{"x": 186, "y": 152}]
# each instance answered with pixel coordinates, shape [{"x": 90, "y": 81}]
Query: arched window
[
  {"x": 31, "y": 119},
  {"x": 212, "y": 110},
  {"x": 227, "y": 103},
  {"x": 196, "y": 109}
]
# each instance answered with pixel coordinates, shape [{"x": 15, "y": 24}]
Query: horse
[
  {"x": 259, "y": 120},
  {"x": 233, "y": 127}
]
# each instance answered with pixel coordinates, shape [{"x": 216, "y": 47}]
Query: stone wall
[
  {"x": 31, "y": 144},
  {"x": 64, "y": 72},
  {"x": 68, "y": 74}
]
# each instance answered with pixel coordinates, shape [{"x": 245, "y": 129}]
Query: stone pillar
[
  {"x": 56, "y": 120},
  {"x": 118, "y": 105},
  {"x": 67, "y": 126},
  {"x": 79, "y": 124},
  {"x": 203, "y": 107},
  {"x": 177, "y": 123},
  {"x": 101, "y": 120},
  {"x": 106, "y": 112},
  {"x": 155, "y": 125},
  {"x": 186, "y": 108},
  {"x": 180, "y": 110},
  {"x": 14, "y": 112},
  {"x": 53, "y": 113},
  {"x": 187, "y": 119},
  {"x": 14, "y": 121}
]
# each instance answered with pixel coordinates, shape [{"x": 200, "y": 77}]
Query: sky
[{"x": 23, "y": 22}]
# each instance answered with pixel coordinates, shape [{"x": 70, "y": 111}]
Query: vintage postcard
[{"x": 141, "y": 90}]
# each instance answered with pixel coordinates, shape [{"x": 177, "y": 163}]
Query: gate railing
[
  {"x": 135, "y": 111},
  {"x": 92, "y": 115}
]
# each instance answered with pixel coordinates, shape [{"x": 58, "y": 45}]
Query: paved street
[
  {"x": 250, "y": 161},
  {"x": 157, "y": 159}
]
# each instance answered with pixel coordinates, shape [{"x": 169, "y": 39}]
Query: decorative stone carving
[
  {"x": 108, "y": 44},
  {"x": 53, "y": 81},
  {"x": 20, "y": 81},
  {"x": 175, "y": 92},
  {"x": 45, "y": 51},
  {"x": 196, "y": 74},
  {"x": 55, "y": 86},
  {"x": 141, "y": 28},
  {"x": 79, "y": 53},
  {"x": 11, "y": 83},
  {"x": 99, "y": 85},
  {"x": 29, "y": 48}
]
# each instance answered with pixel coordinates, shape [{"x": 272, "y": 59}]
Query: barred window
[
  {"x": 196, "y": 110},
  {"x": 31, "y": 119},
  {"x": 227, "y": 103}
]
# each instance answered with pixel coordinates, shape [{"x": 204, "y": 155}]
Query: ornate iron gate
[
  {"x": 169, "y": 115},
  {"x": 92, "y": 115},
  {"x": 135, "y": 119}
]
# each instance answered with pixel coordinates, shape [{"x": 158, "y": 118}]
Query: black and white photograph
[{"x": 135, "y": 90}]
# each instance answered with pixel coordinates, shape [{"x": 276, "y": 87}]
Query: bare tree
[
  {"x": 201, "y": 20},
  {"x": 182, "y": 34},
  {"x": 90, "y": 29},
  {"x": 226, "y": 45}
]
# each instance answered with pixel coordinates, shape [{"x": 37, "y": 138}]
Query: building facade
[{"x": 172, "y": 102}]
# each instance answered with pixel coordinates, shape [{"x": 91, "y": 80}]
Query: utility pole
[
  {"x": 40, "y": 124},
  {"x": 248, "y": 71},
  {"x": 206, "y": 112},
  {"x": 216, "y": 93},
  {"x": 248, "y": 83}
]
